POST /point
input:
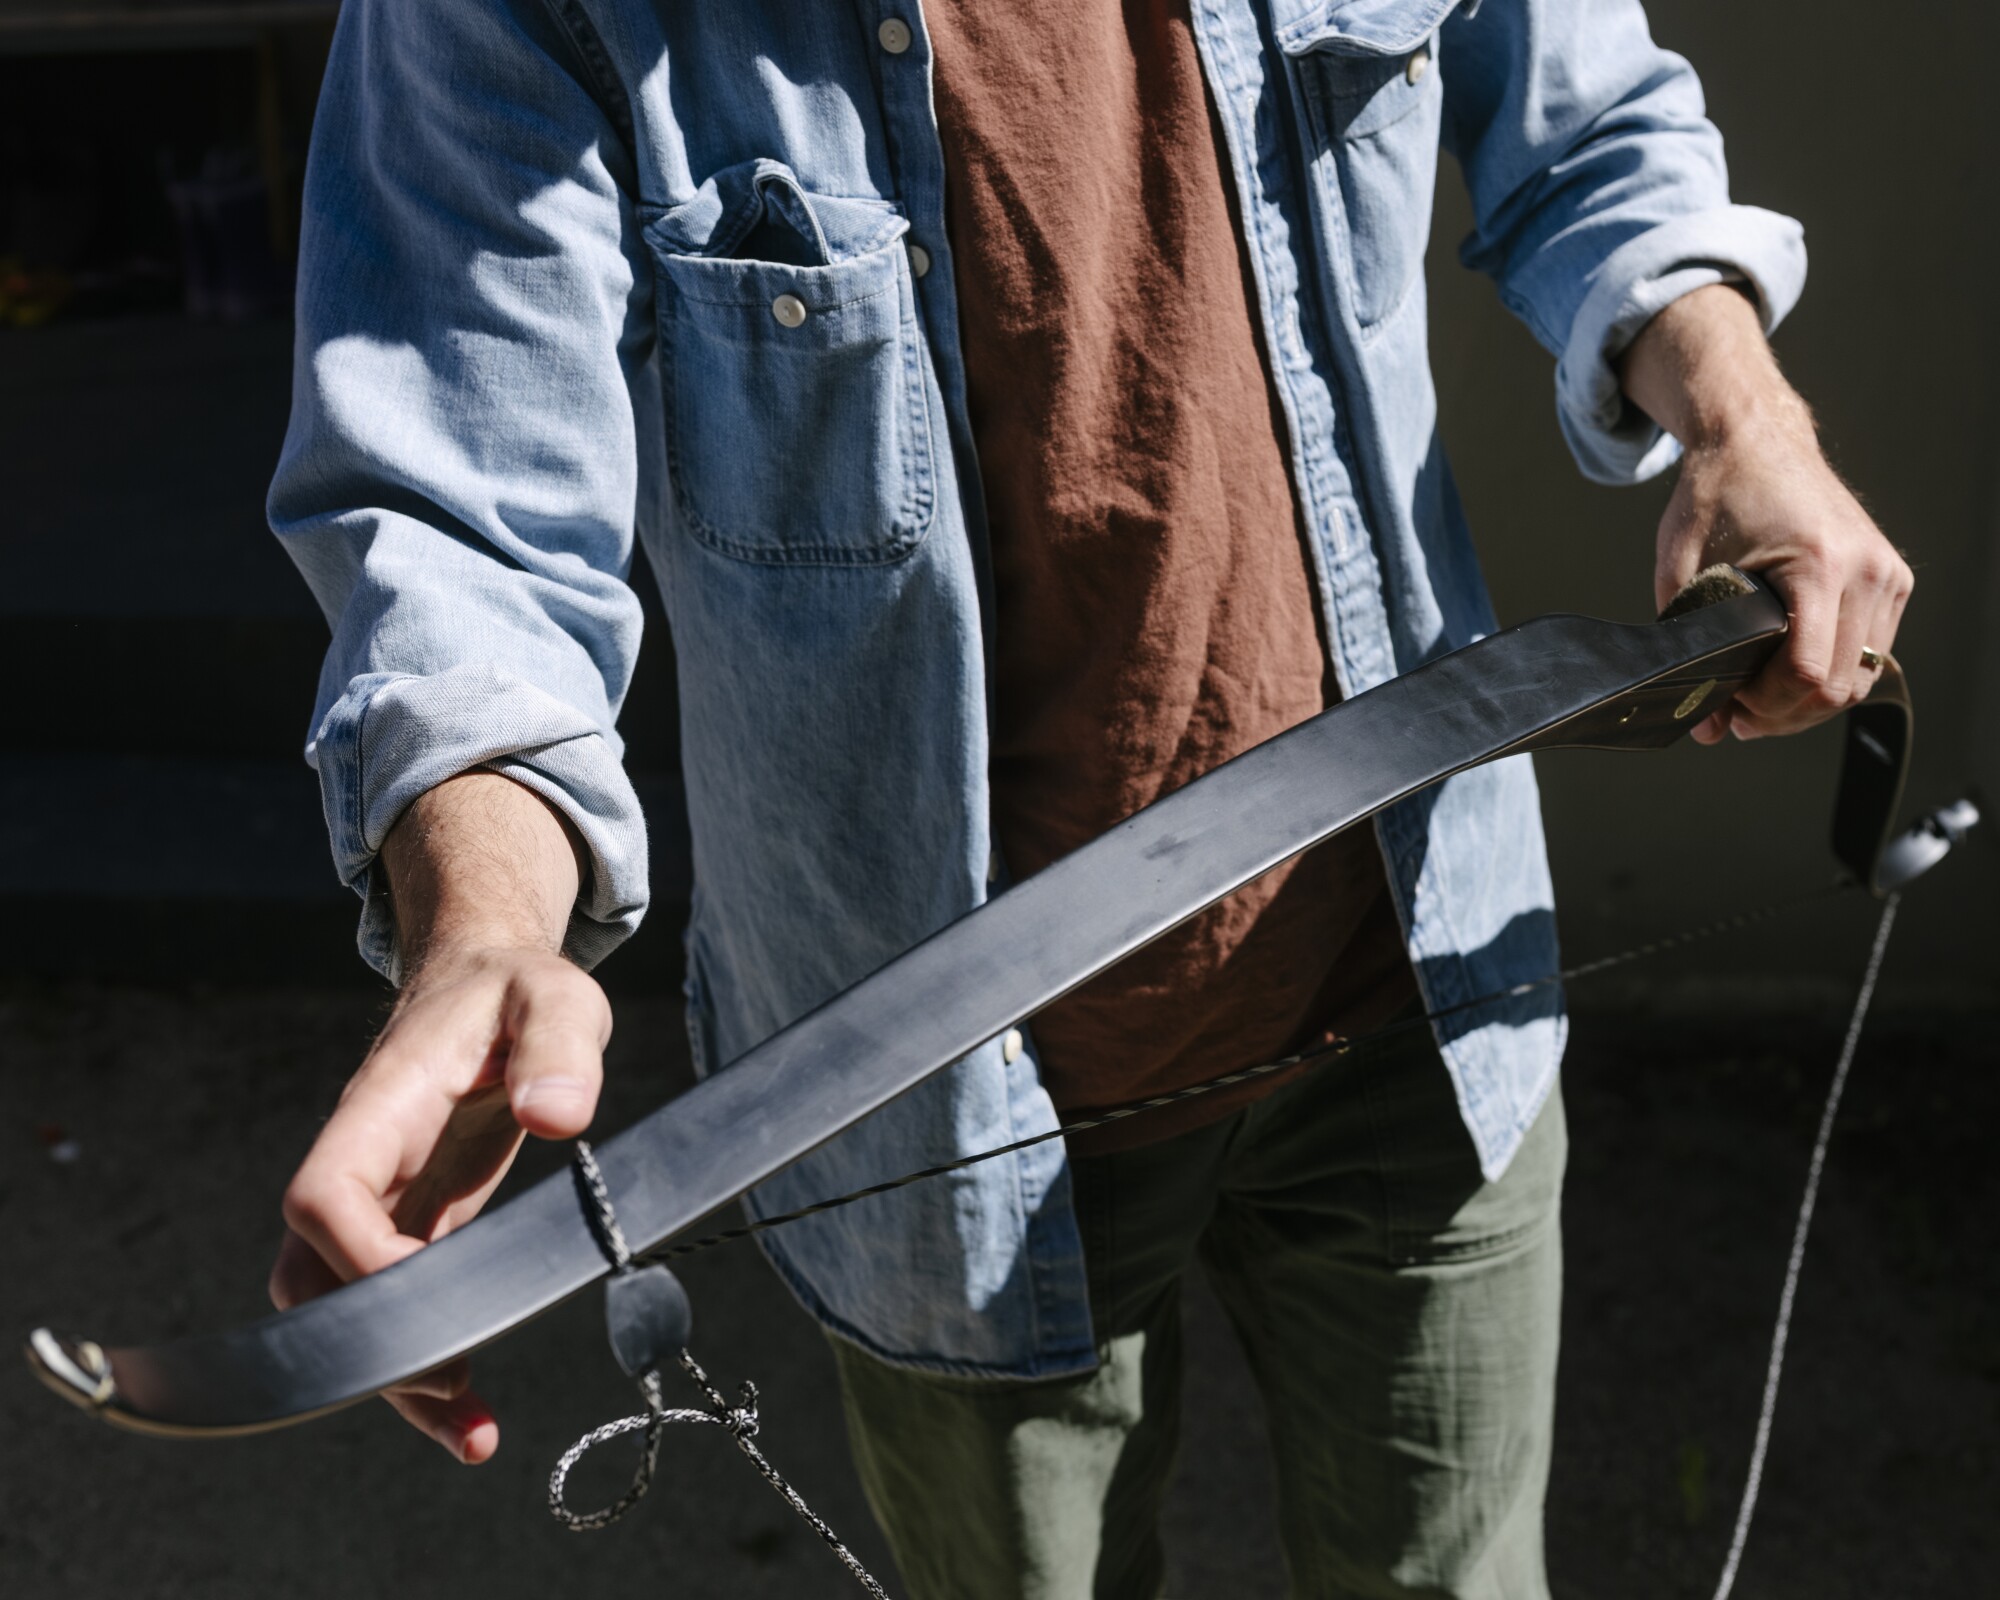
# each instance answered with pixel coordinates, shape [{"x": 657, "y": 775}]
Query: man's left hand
[{"x": 1756, "y": 490}]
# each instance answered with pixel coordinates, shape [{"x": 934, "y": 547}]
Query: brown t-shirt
[{"x": 1154, "y": 598}]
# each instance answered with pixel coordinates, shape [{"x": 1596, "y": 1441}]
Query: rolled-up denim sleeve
[
  {"x": 1599, "y": 195},
  {"x": 459, "y": 481}
]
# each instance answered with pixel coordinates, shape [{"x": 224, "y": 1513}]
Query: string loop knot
[{"x": 741, "y": 1420}]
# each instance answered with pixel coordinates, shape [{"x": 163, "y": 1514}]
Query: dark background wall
[
  {"x": 152, "y": 764},
  {"x": 1884, "y": 146}
]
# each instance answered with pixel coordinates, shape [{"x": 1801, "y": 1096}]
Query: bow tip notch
[{"x": 77, "y": 1369}]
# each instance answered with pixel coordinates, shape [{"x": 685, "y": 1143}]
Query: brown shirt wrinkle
[{"x": 1155, "y": 604}]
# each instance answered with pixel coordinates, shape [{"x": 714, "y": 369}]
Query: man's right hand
[{"x": 494, "y": 1037}]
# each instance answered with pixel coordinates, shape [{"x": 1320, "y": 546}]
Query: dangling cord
[
  {"x": 740, "y": 1419},
  {"x": 1779, "y": 1334},
  {"x": 654, "y": 1419}
]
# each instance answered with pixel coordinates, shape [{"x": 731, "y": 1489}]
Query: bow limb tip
[
  {"x": 1915, "y": 851},
  {"x": 77, "y": 1369}
]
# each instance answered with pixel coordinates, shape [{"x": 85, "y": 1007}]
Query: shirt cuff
[
  {"x": 1614, "y": 441},
  {"x": 392, "y": 736}
]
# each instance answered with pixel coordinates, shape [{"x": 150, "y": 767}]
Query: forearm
[
  {"x": 465, "y": 636},
  {"x": 1755, "y": 489},
  {"x": 1703, "y": 370},
  {"x": 480, "y": 862}
]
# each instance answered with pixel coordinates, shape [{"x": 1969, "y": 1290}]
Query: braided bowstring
[
  {"x": 740, "y": 1419},
  {"x": 1774, "y": 1369},
  {"x": 1316, "y": 1055}
]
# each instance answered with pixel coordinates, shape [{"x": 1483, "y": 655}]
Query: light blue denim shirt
[{"x": 580, "y": 272}]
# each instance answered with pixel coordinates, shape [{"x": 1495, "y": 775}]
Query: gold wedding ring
[{"x": 1873, "y": 659}]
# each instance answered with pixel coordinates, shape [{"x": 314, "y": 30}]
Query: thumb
[{"x": 557, "y": 1026}]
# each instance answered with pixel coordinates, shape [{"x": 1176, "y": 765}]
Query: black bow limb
[{"x": 1553, "y": 682}]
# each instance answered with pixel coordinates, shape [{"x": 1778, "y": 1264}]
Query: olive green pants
[{"x": 1399, "y": 1315}]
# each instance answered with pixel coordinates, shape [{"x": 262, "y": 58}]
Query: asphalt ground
[{"x": 145, "y": 1135}]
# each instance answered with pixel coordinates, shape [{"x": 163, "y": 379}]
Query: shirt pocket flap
[
  {"x": 759, "y": 210},
  {"x": 1358, "y": 27}
]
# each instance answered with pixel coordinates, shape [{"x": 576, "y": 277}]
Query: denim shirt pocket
[
  {"x": 1374, "y": 108},
  {"x": 798, "y": 429}
]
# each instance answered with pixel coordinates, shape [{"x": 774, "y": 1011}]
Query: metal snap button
[
  {"x": 1418, "y": 64},
  {"x": 895, "y": 35},
  {"x": 789, "y": 309},
  {"x": 920, "y": 260}
]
